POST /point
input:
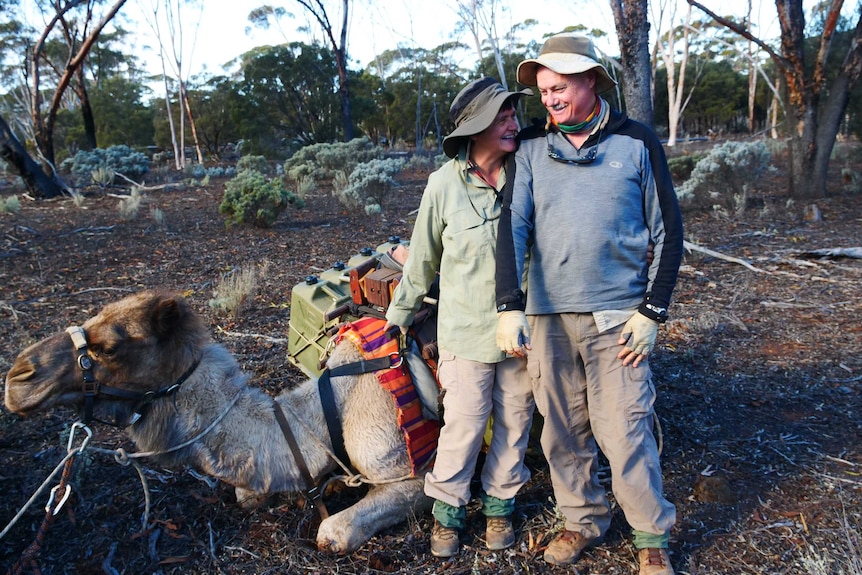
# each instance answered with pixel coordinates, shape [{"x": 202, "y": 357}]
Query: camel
[{"x": 153, "y": 342}]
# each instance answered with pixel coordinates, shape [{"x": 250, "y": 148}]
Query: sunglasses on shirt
[{"x": 587, "y": 158}]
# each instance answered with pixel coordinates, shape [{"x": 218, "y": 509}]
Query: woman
[{"x": 455, "y": 234}]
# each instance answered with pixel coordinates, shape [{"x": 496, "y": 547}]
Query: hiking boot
[
  {"x": 654, "y": 561},
  {"x": 499, "y": 533},
  {"x": 444, "y": 541},
  {"x": 566, "y": 547}
]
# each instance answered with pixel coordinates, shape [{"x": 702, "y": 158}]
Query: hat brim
[
  {"x": 565, "y": 64},
  {"x": 480, "y": 121}
]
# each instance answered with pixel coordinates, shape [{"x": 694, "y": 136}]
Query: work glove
[
  {"x": 513, "y": 332},
  {"x": 638, "y": 336}
]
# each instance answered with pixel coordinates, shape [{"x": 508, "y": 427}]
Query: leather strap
[
  {"x": 330, "y": 414},
  {"x": 327, "y": 398},
  {"x": 312, "y": 491}
]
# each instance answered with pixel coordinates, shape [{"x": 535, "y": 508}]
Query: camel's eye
[{"x": 102, "y": 350}]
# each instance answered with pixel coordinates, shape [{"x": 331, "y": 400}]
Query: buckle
[{"x": 395, "y": 360}]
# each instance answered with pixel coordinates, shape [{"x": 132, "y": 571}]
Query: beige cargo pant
[
  {"x": 474, "y": 392},
  {"x": 588, "y": 398}
]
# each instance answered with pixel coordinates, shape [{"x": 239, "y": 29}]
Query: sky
[
  {"x": 375, "y": 25},
  {"x": 223, "y": 31}
]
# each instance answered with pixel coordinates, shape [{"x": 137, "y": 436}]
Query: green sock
[
  {"x": 496, "y": 507},
  {"x": 643, "y": 540},
  {"x": 449, "y": 515}
]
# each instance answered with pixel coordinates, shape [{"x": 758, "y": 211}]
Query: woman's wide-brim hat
[
  {"x": 475, "y": 108},
  {"x": 566, "y": 54}
]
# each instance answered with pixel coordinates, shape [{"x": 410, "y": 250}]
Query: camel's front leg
[{"x": 384, "y": 506}]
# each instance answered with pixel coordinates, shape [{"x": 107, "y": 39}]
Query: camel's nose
[
  {"x": 16, "y": 391},
  {"x": 22, "y": 370}
]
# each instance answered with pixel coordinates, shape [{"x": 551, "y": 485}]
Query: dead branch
[
  {"x": 254, "y": 335},
  {"x": 90, "y": 229},
  {"x": 695, "y": 248},
  {"x": 834, "y": 253}
]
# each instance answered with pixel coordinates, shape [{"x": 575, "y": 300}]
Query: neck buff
[{"x": 589, "y": 124}]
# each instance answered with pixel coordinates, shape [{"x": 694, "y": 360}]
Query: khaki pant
[
  {"x": 474, "y": 392},
  {"x": 587, "y": 397}
]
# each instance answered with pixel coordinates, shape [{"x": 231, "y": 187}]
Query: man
[{"x": 591, "y": 190}]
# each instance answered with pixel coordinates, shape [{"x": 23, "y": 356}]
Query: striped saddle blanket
[{"x": 420, "y": 432}]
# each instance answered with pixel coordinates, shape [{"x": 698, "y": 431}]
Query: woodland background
[{"x": 758, "y": 374}]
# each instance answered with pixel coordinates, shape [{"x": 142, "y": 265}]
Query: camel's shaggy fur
[{"x": 148, "y": 340}]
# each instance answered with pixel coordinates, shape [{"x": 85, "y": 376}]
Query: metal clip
[
  {"x": 87, "y": 430},
  {"x": 60, "y": 502}
]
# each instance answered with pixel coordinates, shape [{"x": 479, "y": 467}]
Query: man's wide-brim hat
[
  {"x": 566, "y": 54},
  {"x": 475, "y": 108}
]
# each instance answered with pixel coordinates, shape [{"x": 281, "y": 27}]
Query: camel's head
[{"x": 139, "y": 344}]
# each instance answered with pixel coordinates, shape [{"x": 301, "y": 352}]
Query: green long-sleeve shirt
[{"x": 455, "y": 233}]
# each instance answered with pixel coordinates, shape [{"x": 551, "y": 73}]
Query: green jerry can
[{"x": 319, "y": 304}]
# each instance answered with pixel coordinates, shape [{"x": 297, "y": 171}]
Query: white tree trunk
[{"x": 676, "y": 100}]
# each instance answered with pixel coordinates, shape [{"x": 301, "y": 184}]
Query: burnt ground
[{"x": 758, "y": 374}]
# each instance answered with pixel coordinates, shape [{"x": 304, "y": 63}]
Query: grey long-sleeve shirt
[{"x": 587, "y": 224}]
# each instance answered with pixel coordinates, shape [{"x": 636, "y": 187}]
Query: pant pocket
[{"x": 640, "y": 392}]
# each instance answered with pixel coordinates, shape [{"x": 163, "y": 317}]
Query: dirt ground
[{"x": 758, "y": 375}]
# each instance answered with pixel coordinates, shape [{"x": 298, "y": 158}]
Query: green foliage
[
  {"x": 417, "y": 81},
  {"x": 217, "y": 118},
  {"x": 370, "y": 184},
  {"x": 119, "y": 159},
  {"x": 323, "y": 161},
  {"x": 725, "y": 177},
  {"x": 682, "y": 166},
  {"x": 10, "y": 205},
  {"x": 250, "y": 198},
  {"x": 289, "y": 97},
  {"x": 194, "y": 171},
  {"x": 719, "y": 99},
  {"x": 420, "y": 163},
  {"x": 257, "y": 163},
  {"x": 122, "y": 118}
]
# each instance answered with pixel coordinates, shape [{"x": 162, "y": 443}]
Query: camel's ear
[{"x": 169, "y": 316}]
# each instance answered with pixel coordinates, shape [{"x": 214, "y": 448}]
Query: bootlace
[
  {"x": 442, "y": 532},
  {"x": 498, "y": 524},
  {"x": 655, "y": 557}
]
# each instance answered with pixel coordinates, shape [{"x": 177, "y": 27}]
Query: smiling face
[
  {"x": 499, "y": 137},
  {"x": 569, "y": 99}
]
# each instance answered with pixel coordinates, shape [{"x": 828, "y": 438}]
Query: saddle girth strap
[
  {"x": 327, "y": 399},
  {"x": 313, "y": 493}
]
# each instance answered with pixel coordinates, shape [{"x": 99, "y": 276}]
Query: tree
[
  {"x": 716, "y": 102},
  {"x": 172, "y": 53},
  {"x": 630, "y": 19},
  {"x": 416, "y": 93},
  {"x": 666, "y": 47},
  {"x": 14, "y": 153},
  {"x": 43, "y": 118},
  {"x": 289, "y": 96},
  {"x": 481, "y": 16},
  {"x": 339, "y": 49},
  {"x": 43, "y": 121},
  {"x": 816, "y": 109},
  {"x": 216, "y": 109}
]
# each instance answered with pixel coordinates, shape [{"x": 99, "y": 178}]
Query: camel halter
[{"x": 90, "y": 388}]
